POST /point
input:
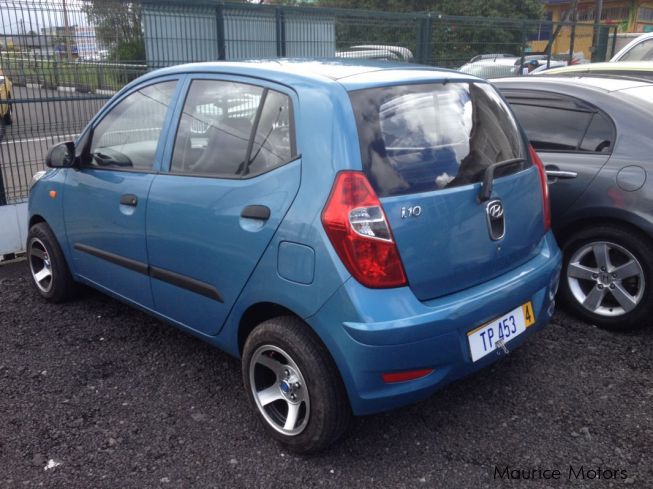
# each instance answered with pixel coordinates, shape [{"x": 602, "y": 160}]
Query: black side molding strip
[
  {"x": 173, "y": 278},
  {"x": 187, "y": 283},
  {"x": 128, "y": 263}
]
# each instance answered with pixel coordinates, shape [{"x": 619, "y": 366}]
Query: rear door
[
  {"x": 573, "y": 138},
  {"x": 425, "y": 149},
  {"x": 233, "y": 173}
]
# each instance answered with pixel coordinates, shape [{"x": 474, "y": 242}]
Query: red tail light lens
[
  {"x": 545, "y": 187},
  {"x": 359, "y": 231}
]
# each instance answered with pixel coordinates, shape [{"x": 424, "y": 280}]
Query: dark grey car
[{"x": 594, "y": 136}]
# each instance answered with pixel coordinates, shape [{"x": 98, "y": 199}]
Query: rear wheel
[
  {"x": 50, "y": 273},
  {"x": 608, "y": 277},
  {"x": 294, "y": 385}
]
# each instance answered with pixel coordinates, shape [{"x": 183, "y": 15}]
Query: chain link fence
[{"x": 61, "y": 60}]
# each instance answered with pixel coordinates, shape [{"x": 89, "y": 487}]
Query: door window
[
  {"x": 640, "y": 52},
  {"x": 600, "y": 135},
  {"x": 552, "y": 129},
  {"x": 126, "y": 138},
  {"x": 232, "y": 130}
]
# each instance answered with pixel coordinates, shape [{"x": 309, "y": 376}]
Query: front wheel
[
  {"x": 608, "y": 277},
  {"x": 50, "y": 273},
  {"x": 294, "y": 385}
]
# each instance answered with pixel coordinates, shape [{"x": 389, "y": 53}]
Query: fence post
[
  {"x": 523, "y": 47},
  {"x": 219, "y": 25},
  {"x": 572, "y": 39},
  {"x": 3, "y": 195},
  {"x": 281, "y": 33},
  {"x": 424, "y": 28},
  {"x": 614, "y": 41}
]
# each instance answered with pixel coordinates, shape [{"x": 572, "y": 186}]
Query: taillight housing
[
  {"x": 360, "y": 233},
  {"x": 544, "y": 186}
]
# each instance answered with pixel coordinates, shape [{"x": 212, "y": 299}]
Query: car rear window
[{"x": 419, "y": 138}]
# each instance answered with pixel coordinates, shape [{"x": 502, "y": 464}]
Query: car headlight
[{"x": 36, "y": 177}]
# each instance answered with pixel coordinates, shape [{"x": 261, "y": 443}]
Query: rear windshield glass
[{"x": 419, "y": 138}]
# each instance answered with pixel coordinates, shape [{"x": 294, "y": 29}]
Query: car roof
[
  {"x": 616, "y": 66},
  {"x": 351, "y": 73},
  {"x": 591, "y": 83}
]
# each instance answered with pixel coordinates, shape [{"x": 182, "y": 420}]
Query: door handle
[
  {"x": 554, "y": 172},
  {"x": 260, "y": 212},
  {"x": 561, "y": 174},
  {"x": 129, "y": 199}
]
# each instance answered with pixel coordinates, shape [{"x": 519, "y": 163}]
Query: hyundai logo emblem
[{"x": 495, "y": 219}]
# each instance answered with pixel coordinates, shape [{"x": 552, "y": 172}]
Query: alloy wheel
[
  {"x": 606, "y": 279},
  {"x": 40, "y": 265},
  {"x": 279, "y": 390}
]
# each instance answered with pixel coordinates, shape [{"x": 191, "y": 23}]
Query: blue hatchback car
[{"x": 359, "y": 234}]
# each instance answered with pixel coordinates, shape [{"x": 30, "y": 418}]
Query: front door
[
  {"x": 106, "y": 199},
  {"x": 233, "y": 174}
]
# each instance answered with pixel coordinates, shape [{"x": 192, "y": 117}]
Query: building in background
[{"x": 629, "y": 15}]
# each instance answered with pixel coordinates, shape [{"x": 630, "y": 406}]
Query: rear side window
[
  {"x": 232, "y": 130},
  {"x": 600, "y": 135},
  {"x": 553, "y": 129},
  {"x": 419, "y": 138}
]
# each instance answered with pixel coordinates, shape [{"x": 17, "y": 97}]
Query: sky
[{"x": 22, "y": 16}]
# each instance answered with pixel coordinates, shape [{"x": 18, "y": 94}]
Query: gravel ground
[{"x": 121, "y": 400}]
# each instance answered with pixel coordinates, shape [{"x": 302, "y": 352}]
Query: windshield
[{"x": 420, "y": 138}]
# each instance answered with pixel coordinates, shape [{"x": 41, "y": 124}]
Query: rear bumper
[{"x": 370, "y": 332}]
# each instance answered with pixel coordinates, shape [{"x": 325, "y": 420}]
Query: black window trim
[
  {"x": 293, "y": 148},
  {"x": 534, "y": 98}
]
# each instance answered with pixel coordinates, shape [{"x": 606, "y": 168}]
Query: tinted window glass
[
  {"x": 640, "y": 52},
  {"x": 600, "y": 135},
  {"x": 217, "y": 124},
  {"x": 419, "y": 138},
  {"x": 552, "y": 129},
  {"x": 127, "y": 136}
]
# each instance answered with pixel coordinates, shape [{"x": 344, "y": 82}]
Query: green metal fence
[{"x": 66, "y": 58}]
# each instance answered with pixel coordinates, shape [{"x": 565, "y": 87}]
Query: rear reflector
[
  {"x": 360, "y": 233},
  {"x": 405, "y": 376}
]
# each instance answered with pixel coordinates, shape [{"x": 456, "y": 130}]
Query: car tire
[
  {"x": 7, "y": 117},
  {"x": 286, "y": 367},
  {"x": 607, "y": 277},
  {"x": 50, "y": 273}
]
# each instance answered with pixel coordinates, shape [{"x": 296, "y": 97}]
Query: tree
[{"x": 118, "y": 27}]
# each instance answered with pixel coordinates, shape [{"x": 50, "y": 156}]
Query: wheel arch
[
  {"x": 626, "y": 221},
  {"x": 35, "y": 219},
  {"x": 255, "y": 314}
]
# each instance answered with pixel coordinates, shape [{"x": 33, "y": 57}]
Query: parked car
[
  {"x": 593, "y": 135},
  {"x": 632, "y": 69},
  {"x": 359, "y": 234},
  {"x": 378, "y": 52},
  {"x": 639, "y": 49},
  {"x": 507, "y": 66},
  {"x": 5, "y": 94}
]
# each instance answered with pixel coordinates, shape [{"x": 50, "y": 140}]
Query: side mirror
[{"x": 61, "y": 155}]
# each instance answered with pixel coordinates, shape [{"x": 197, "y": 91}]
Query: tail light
[
  {"x": 359, "y": 231},
  {"x": 545, "y": 187}
]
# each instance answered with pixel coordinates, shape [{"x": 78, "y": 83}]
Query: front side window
[
  {"x": 232, "y": 130},
  {"x": 127, "y": 137},
  {"x": 418, "y": 138}
]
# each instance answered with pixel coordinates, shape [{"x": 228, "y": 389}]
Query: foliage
[{"x": 118, "y": 27}]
